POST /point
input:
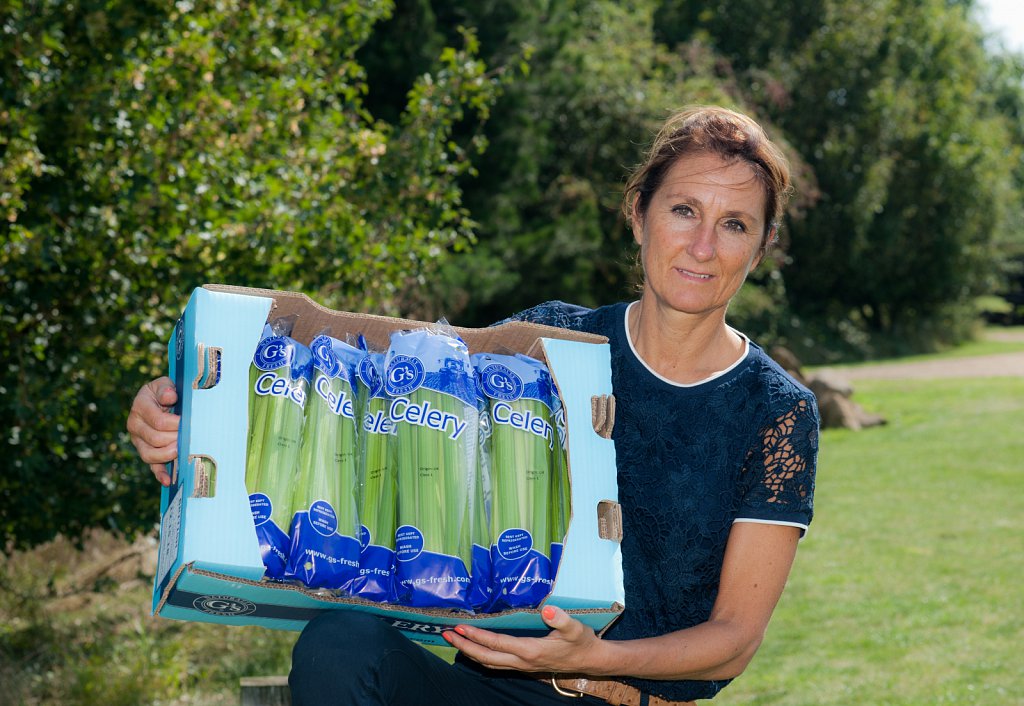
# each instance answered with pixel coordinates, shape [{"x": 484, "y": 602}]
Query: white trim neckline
[{"x": 720, "y": 373}]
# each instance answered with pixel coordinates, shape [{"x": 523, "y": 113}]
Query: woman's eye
[
  {"x": 682, "y": 210},
  {"x": 738, "y": 226}
]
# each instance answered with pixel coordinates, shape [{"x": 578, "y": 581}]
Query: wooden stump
[{"x": 265, "y": 691}]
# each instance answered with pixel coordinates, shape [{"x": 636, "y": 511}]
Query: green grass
[{"x": 907, "y": 590}]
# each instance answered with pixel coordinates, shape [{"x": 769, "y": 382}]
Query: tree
[
  {"x": 908, "y": 162},
  {"x": 157, "y": 147}
]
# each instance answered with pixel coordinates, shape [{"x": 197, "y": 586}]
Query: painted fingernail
[
  {"x": 548, "y": 612},
  {"x": 461, "y": 630},
  {"x": 446, "y": 634}
]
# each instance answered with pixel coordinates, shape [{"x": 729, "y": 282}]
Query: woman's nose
[{"x": 702, "y": 242}]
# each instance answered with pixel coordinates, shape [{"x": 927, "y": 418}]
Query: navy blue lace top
[{"x": 740, "y": 446}]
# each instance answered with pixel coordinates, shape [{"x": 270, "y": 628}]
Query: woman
[{"x": 716, "y": 449}]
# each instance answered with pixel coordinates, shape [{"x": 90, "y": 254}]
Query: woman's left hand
[{"x": 570, "y": 647}]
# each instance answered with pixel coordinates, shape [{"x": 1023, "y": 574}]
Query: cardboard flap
[
  {"x": 602, "y": 414},
  {"x": 218, "y": 347},
  {"x": 312, "y": 318},
  {"x": 592, "y": 475}
]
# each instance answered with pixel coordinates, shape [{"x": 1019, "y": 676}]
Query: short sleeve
[{"x": 781, "y": 468}]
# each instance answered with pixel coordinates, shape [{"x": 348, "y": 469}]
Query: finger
[
  {"x": 167, "y": 396},
  {"x": 459, "y": 639},
  {"x": 555, "y": 618},
  {"x": 505, "y": 650},
  {"x": 160, "y": 471},
  {"x": 155, "y": 386},
  {"x": 152, "y": 414},
  {"x": 153, "y": 402},
  {"x": 566, "y": 626},
  {"x": 486, "y": 638},
  {"x": 143, "y": 431},
  {"x": 148, "y": 412},
  {"x": 164, "y": 453}
]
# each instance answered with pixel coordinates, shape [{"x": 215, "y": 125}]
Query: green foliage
[
  {"x": 75, "y": 630},
  {"x": 159, "y": 146}
]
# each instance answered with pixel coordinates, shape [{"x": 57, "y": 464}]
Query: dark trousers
[{"x": 346, "y": 657}]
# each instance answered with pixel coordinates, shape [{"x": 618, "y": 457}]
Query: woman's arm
[{"x": 758, "y": 559}]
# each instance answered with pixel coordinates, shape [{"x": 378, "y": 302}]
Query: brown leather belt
[{"x": 614, "y": 692}]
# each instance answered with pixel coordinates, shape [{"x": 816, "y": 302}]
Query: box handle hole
[
  {"x": 204, "y": 474},
  {"x": 208, "y": 374},
  {"x": 609, "y": 520}
]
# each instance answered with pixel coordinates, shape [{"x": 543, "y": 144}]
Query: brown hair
[{"x": 732, "y": 136}]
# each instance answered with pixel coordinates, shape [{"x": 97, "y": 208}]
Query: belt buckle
[{"x": 571, "y": 694}]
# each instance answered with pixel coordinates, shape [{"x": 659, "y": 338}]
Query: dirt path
[{"x": 998, "y": 365}]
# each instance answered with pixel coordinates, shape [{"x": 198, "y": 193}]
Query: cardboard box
[{"x": 209, "y": 566}]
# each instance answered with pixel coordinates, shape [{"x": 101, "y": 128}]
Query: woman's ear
[
  {"x": 636, "y": 221},
  {"x": 766, "y": 245}
]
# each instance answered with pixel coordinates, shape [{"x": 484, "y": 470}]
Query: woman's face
[{"x": 702, "y": 233}]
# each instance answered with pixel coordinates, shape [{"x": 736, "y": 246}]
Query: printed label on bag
[
  {"x": 408, "y": 543},
  {"x": 261, "y": 508},
  {"x": 514, "y": 544},
  {"x": 323, "y": 518}
]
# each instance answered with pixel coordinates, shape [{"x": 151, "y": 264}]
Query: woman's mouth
[{"x": 694, "y": 275}]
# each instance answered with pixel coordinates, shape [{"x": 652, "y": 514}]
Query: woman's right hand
[{"x": 154, "y": 430}]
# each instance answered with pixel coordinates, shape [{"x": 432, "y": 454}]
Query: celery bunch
[
  {"x": 523, "y": 439},
  {"x": 327, "y": 454},
  {"x": 481, "y": 588},
  {"x": 324, "y": 551},
  {"x": 521, "y": 447},
  {"x": 429, "y": 380},
  {"x": 279, "y": 379}
]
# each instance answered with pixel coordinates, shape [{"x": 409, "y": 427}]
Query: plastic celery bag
[
  {"x": 429, "y": 379},
  {"x": 378, "y": 489},
  {"x": 325, "y": 527},
  {"x": 480, "y": 587},
  {"x": 279, "y": 379},
  {"x": 561, "y": 495},
  {"x": 523, "y": 437}
]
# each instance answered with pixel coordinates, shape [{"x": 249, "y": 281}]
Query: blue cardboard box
[{"x": 209, "y": 567}]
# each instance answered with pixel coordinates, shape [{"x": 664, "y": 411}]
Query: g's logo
[
  {"x": 225, "y": 606},
  {"x": 324, "y": 357},
  {"x": 500, "y": 383},
  {"x": 272, "y": 353},
  {"x": 404, "y": 375},
  {"x": 370, "y": 376},
  {"x": 179, "y": 339}
]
